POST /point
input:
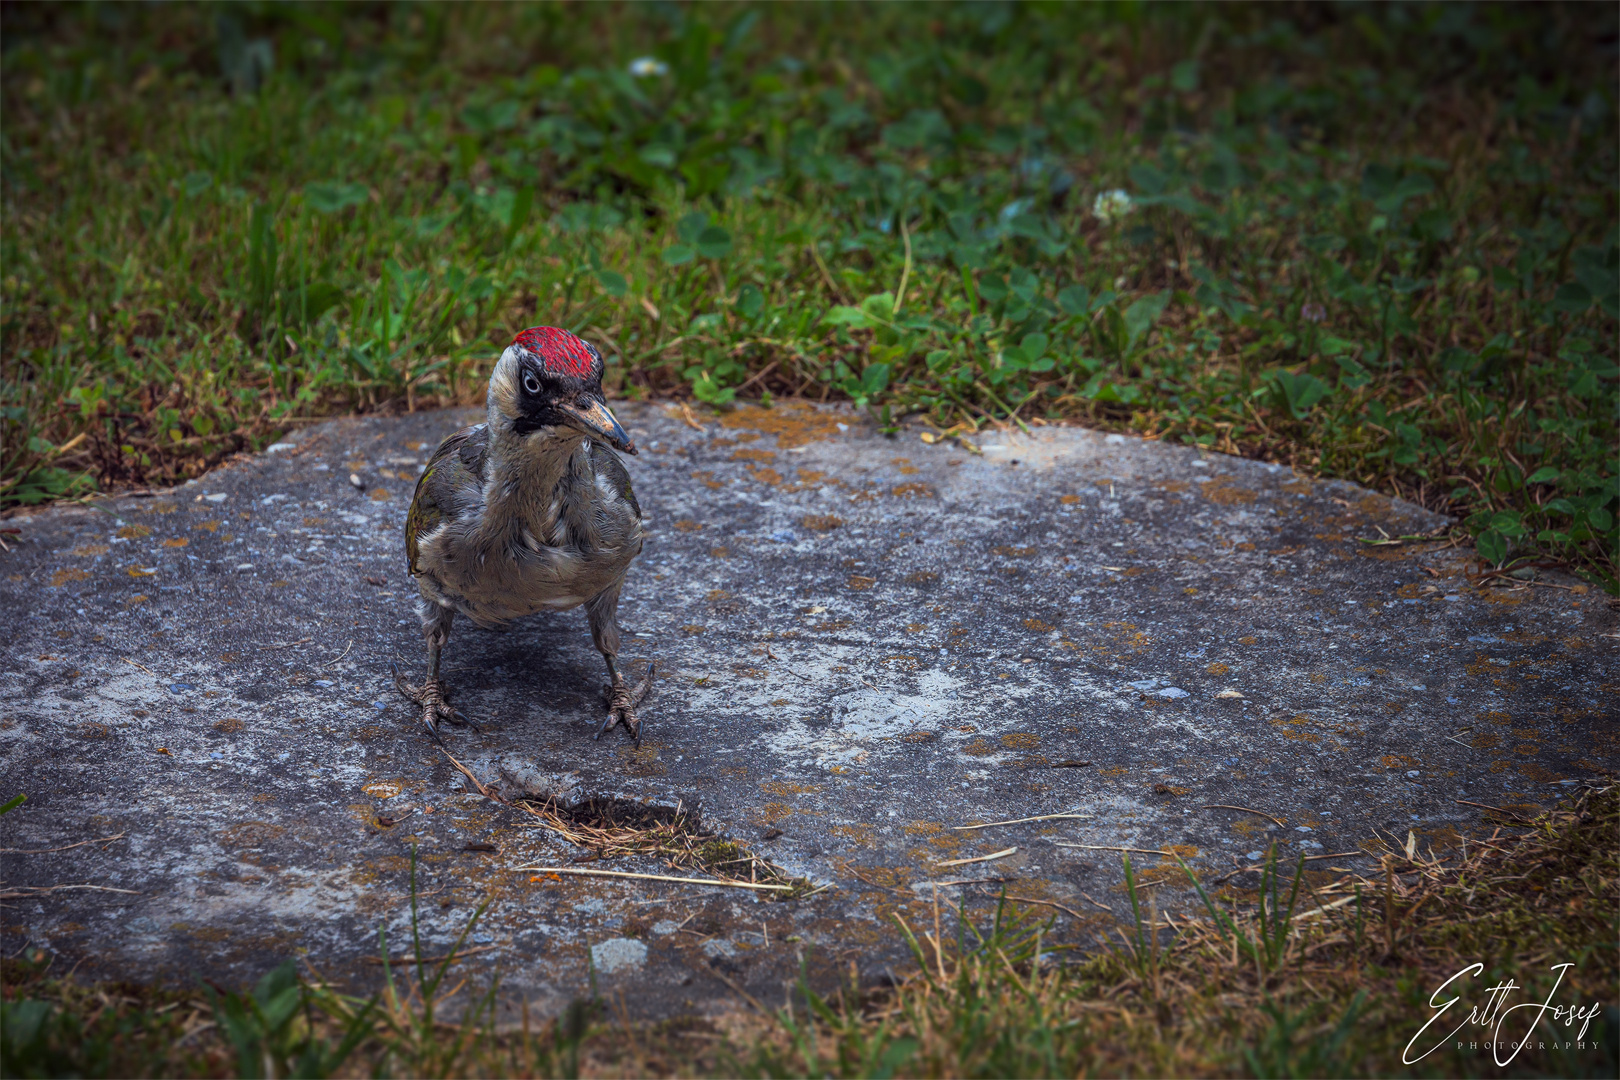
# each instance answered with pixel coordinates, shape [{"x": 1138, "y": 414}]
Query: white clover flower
[
  {"x": 1111, "y": 205},
  {"x": 644, "y": 66}
]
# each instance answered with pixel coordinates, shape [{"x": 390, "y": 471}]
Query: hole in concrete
[
  {"x": 609, "y": 827},
  {"x": 605, "y": 812}
]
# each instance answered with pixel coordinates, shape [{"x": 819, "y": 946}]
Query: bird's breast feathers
[{"x": 516, "y": 548}]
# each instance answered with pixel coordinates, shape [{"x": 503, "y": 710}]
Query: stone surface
[
  {"x": 617, "y": 954},
  {"x": 863, "y": 642}
]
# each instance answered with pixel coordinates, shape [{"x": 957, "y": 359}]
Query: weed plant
[{"x": 1371, "y": 242}]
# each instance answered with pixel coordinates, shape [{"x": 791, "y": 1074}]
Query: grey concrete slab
[{"x": 864, "y": 641}]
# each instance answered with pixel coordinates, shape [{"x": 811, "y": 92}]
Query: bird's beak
[{"x": 593, "y": 418}]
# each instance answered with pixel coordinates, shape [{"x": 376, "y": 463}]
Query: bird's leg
[
  {"x": 622, "y": 700},
  {"x": 433, "y": 696},
  {"x": 602, "y": 610}
]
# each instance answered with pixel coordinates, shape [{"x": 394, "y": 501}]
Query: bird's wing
[
  {"x": 610, "y": 469},
  {"x": 452, "y": 482}
]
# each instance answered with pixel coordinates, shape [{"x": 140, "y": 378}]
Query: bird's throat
[{"x": 527, "y": 477}]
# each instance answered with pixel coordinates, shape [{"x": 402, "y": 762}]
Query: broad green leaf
[
  {"x": 691, "y": 226},
  {"x": 490, "y": 118},
  {"x": 1305, "y": 391},
  {"x": 875, "y": 379},
  {"x": 1075, "y": 300},
  {"x": 1572, "y": 297},
  {"x": 1454, "y": 358},
  {"x": 1507, "y": 523},
  {"x": 1600, "y": 281},
  {"x": 317, "y": 298},
  {"x": 331, "y": 197},
  {"x": 704, "y": 388},
  {"x": 1492, "y": 546},
  {"x": 993, "y": 287},
  {"x": 843, "y": 315},
  {"x": 714, "y": 242},
  {"x": 430, "y": 225},
  {"x": 879, "y": 307},
  {"x": 657, "y": 155},
  {"x": 1142, "y": 314},
  {"x": 1148, "y": 178}
]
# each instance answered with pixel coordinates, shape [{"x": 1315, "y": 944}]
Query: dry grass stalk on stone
[{"x": 607, "y": 831}]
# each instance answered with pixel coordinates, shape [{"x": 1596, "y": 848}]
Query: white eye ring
[{"x": 530, "y": 383}]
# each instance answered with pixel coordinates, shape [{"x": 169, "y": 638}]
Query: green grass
[
  {"x": 1373, "y": 242},
  {"x": 1307, "y": 974}
]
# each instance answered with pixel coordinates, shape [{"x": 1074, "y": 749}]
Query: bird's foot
[
  {"x": 622, "y": 700},
  {"x": 434, "y": 698}
]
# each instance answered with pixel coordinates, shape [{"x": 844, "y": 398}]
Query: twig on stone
[
  {"x": 68, "y": 847},
  {"x": 17, "y": 892},
  {"x": 766, "y": 370},
  {"x": 1046, "y": 903},
  {"x": 1111, "y": 847},
  {"x": 954, "y": 882},
  {"x": 977, "y": 858},
  {"x": 482, "y": 790},
  {"x": 1258, "y": 813},
  {"x": 1017, "y": 821},
  {"x": 1439, "y": 533},
  {"x": 1554, "y": 564},
  {"x": 1492, "y": 809},
  {"x": 745, "y": 995},
  {"x": 652, "y": 877},
  {"x": 858, "y": 876}
]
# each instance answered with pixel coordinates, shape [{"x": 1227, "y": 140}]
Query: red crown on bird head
[{"x": 561, "y": 352}]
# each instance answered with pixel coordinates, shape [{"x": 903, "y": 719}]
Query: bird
[{"x": 530, "y": 511}]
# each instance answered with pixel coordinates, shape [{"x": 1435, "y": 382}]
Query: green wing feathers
[
  {"x": 454, "y": 475},
  {"x": 423, "y": 518}
]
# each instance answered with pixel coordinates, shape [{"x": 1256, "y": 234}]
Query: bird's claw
[
  {"x": 433, "y": 697},
  {"x": 622, "y": 701}
]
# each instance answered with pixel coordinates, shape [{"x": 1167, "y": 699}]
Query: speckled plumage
[
  {"x": 529, "y": 511},
  {"x": 496, "y": 541}
]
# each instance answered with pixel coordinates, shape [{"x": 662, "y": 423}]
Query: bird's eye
[{"x": 530, "y": 383}]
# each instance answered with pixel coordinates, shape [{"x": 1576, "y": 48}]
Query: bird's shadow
[{"x": 541, "y": 669}]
